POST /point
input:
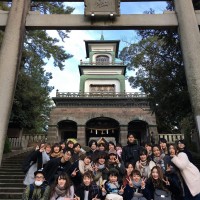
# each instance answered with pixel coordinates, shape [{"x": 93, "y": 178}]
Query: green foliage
[
  {"x": 32, "y": 103},
  {"x": 4, "y": 6},
  {"x": 196, "y": 4},
  {"x": 7, "y": 146},
  {"x": 187, "y": 128},
  {"x": 159, "y": 72}
]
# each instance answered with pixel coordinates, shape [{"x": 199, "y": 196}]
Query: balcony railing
[
  {"x": 100, "y": 94},
  {"x": 102, "y": 63}
]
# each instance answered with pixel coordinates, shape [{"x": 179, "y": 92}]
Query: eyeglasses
[{"x": 39, "y": 177}]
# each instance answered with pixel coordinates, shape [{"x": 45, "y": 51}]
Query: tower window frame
[{"x": 102, "y": 59}]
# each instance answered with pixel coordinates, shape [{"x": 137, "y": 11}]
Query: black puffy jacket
[{"x": 130, "y": 153}]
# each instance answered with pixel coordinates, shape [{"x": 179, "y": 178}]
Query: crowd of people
[{"x": 65, "y": 171}]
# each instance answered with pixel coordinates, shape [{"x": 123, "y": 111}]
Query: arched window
[{"x": 102, "y": 59}]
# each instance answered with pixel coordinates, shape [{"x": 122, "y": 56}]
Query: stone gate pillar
[
  {"x": 81, "y": 137},
  {"x": 190, "y": 44},
  {"x": 123, "y": 134},
  {"x": 53, "y": 136},
  {"x": 10, "y": 57}
]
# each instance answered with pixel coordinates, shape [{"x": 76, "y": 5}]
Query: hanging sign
[{"x": 102, "y": 8}]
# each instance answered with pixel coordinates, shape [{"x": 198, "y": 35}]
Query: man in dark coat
[
  {"x": 57, "y": 165},
  {"x": 130, "y": 153},
  {"x": 94, "y": 152}
]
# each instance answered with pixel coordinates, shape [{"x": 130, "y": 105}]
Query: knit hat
[{"x": 39, "y": 171}]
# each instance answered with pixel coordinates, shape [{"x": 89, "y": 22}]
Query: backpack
[
  {"x": 43, "y": 187},
  {"x": 162, "y": 195}
]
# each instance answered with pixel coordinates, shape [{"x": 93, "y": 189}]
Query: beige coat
[{"x": 189, "y": 172}]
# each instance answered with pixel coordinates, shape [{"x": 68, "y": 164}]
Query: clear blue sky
[{"x": 68, "y": 79}]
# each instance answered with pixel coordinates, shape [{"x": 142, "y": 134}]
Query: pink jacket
[{"x": 189, "y": 172}]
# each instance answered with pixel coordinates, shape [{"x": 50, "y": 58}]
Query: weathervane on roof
[{"x": 102, "y": 8}]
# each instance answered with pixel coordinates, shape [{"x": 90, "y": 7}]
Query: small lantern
[{"x": 102, "y": 8}]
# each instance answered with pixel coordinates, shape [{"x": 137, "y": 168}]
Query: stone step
[
  {"x": 8, "y": 195},
  {"x": 12, "y": 184},
  {"x": 13, "y": 160},
  {"x": 11, "y": 180},
  {"x": 11, "y": 173},
  {"x": 10, "y": 169},
  {"x": 12, "y": 176},
  {"x": 12, "y": 189},
  {"x": 12, "y": 165},
  {"x": 8, "y": 176}
]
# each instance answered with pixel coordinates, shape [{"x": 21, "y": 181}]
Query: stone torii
[{"x": 20, "y": 18}]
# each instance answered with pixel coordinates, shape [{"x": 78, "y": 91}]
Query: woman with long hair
[
  {"x": 173, "y": 173},
  {"x": 56, "y": 151},
  {"x": 62, "y": 188},
  {"x": 158, "y": 185},
  {"x": 162, "y": 160},
  {"x": 144, "y": 164},
  {"x": 128, "y": 173}
]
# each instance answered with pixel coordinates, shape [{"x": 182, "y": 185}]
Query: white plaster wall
[
  {"x": 102, "y": 82},
  {"x": 103, "y": 47},
  {"x": 98, "y": 71}
]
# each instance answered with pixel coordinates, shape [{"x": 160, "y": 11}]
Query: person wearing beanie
[
  {"x": 130, "y": 153},
  {"x": 39, "y": 189}
]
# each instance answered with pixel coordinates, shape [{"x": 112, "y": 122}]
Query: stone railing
[
  {"x": 22, "y": 142},
  {"x": 34, "y": 138},
  {"x": 87, "y": 63},
  {"x": 15, "y": 143},
  {"x": 172, "y": 138},
  {"x": 101, "y": 94}
]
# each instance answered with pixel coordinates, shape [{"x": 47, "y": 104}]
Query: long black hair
[
  {"x": 67, "y": 186},
  {"x": 143, "y": 151}
]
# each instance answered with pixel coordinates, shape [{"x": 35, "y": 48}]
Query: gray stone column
[
  {"x": 123, "y": 134},
  {"x": 53, "y": 136},
  {"x": 190, "y": 44},
  {"x": 81, "y": 137},
  {"x": 10, "y": 56}
]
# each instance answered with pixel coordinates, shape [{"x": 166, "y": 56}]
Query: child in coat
[{"x": 112, "y": 189}]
